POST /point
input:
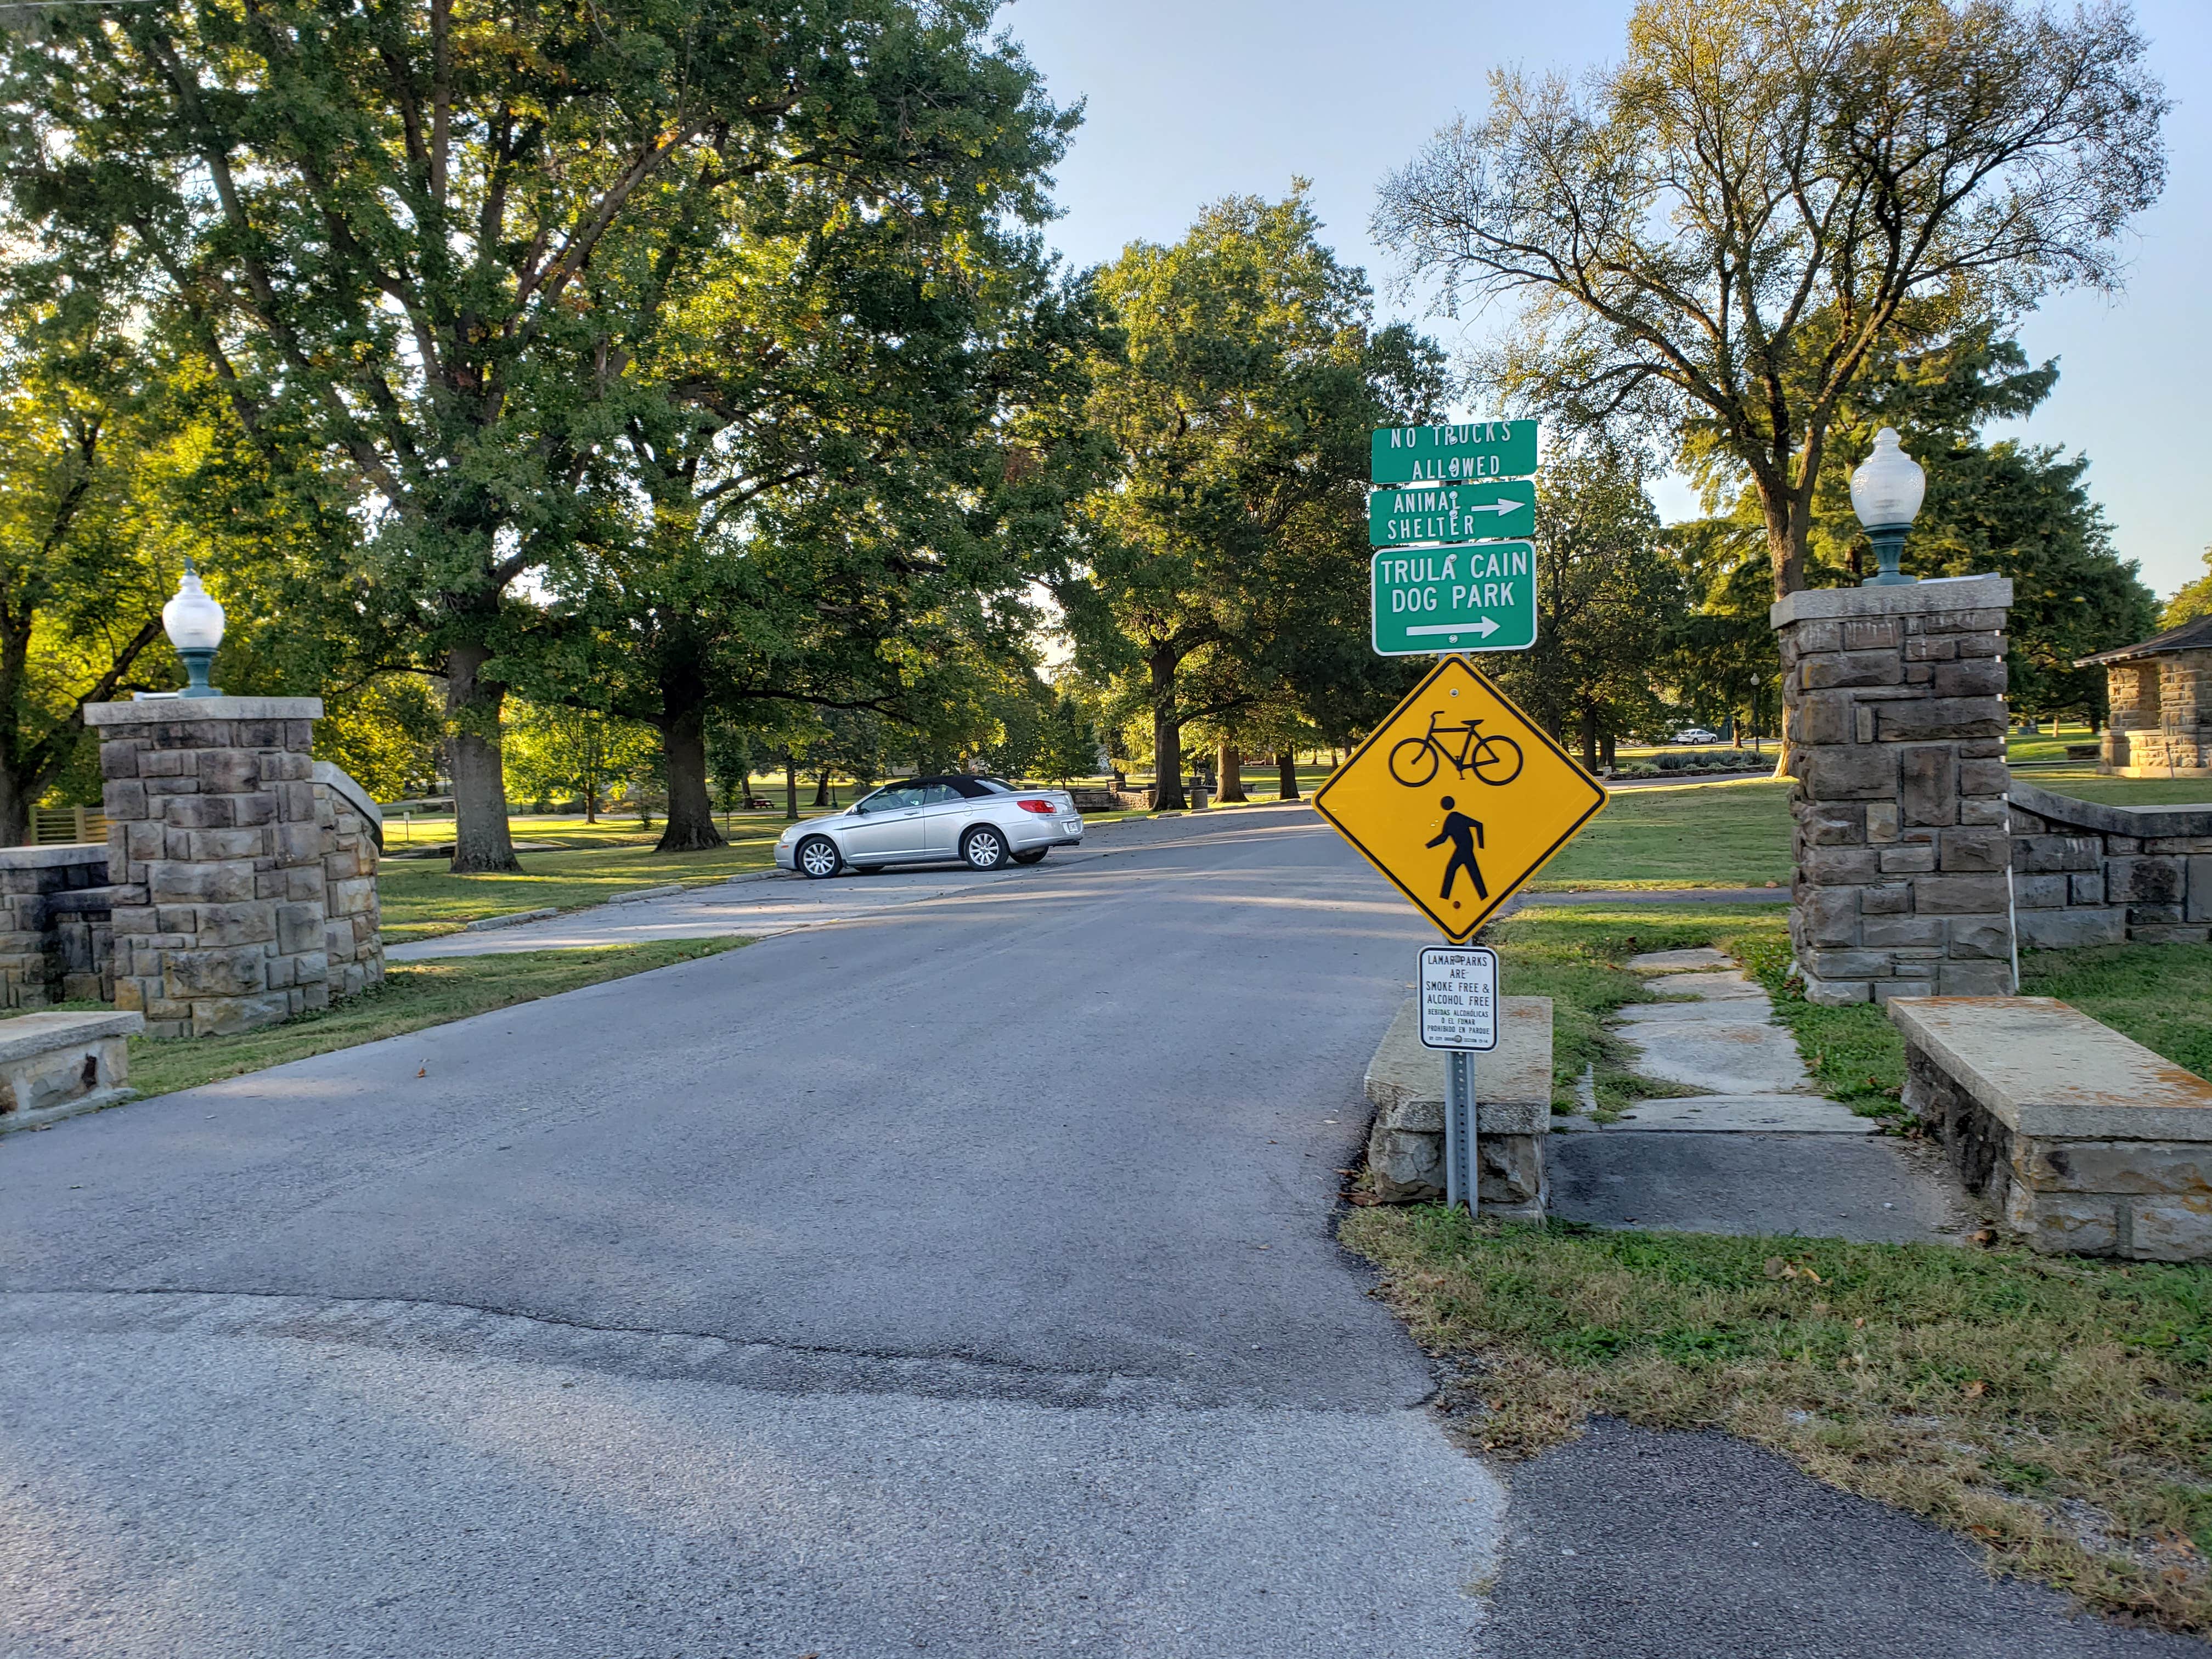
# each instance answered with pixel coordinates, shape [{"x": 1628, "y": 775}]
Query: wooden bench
[
  {"x": 1512, "y": 1113},
  {"x": 2082, "y": 1140},
  {"x": 56, "y": 1064}
]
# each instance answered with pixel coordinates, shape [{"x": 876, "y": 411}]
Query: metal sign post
[{"x": 1459, "y": 1015}]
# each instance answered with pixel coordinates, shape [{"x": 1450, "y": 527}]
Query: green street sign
[
  {"x": 1471, "y": 450},
  {"x": 1478, "y": 597},
  {"x": 1451, "y": 512}
]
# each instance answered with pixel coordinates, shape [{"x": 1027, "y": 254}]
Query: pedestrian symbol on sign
[{"x": 1465, "y": 835}]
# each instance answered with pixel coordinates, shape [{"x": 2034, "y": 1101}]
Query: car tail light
[{"x": 1044, "y": 807}]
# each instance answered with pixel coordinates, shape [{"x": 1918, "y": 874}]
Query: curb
[
  {"x": 642, "y": 894},
  {"x": 514, "y": 918}
]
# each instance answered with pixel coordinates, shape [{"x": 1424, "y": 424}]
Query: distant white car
[
  {"x": 1696, "y": 734},
  {"x": 986, "y": 823}
]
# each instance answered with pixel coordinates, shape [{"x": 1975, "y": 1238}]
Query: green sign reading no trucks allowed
[
  {"x": 1480, "y": 596},
  {"x": 1461, "y": 452}
]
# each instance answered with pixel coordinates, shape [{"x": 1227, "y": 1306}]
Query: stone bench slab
[
  {"x": 53, "y": 1065},
  {"x": 2045, "y": 1069},
  {"x": 1513, "y": 1112}
]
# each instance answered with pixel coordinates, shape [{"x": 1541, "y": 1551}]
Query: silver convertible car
[{"x": 985, "y": 822}]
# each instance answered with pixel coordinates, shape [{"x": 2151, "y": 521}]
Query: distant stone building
[{"x": 2160, "y": 696}]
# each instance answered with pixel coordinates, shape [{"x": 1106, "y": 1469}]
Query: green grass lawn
[
  {"x": 1695, "y": 835},
  {"x": 415, "y": 994}
]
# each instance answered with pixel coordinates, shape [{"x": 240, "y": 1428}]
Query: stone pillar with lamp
[
  {"x": 221, "y": 839},
  {"x": 1894, "y": 723}
]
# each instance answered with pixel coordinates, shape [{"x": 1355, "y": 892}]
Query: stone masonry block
[
  {"x": 201, "y": 812},
  {"x": 1975, "y": 677},
  {"x": 2088, "y": 888},
  {"x": 2038, "y": 892},
  {"x": 247, "y": 811},
  {"x": 1907, "y": 933},
  {"x": 1881, "y": 821},
  {"x": 1835, "y": 824},
  {"x": 1980, "y": 937},
  {"x": 2045, "y": 855},
  {"x": 233, "y": 972},
  {"x": 1830, "y": 866},
  {"x": 252, "y": 923},
  {"x": 299, "y": 843},
  {"x": 1907, "y": 860},
  {"x": 1887, "y": 898},
  {"x": 1928, "y": 785},
  {"x": 1872, "y": 634},
  {"x": 296, "y": 802},
  {"x": 1973, "y": 849},
  {"x": 1929, "y": 718},
  {"x": 212, "y": 846},
  {"x": 1823, "y": 717},
  {"x": 304, "y": 882},
  {"x": 1831, "y": 916},
  {"x": 299, "y": 927},
  {"x": 1984, "y": 777},
  {"x": 2198, "y": 869},
  {"x": 1828, "y": 672},
  {"x": 1983, "y": 811},
  {"x": 1847, "y": 772},
  {"x": 2065, "y": 930},
  {"x": 2144, "y": 881},
  {"x": 229, "y": 771},
  {"x": 2134, "y": 1167},
  {"x": 2178, "y": 1229},
  {"x": 172, "y": 882},
  {"x": 123, "y": 798},
  {"x": 226, "y": 1016},
  {"x": 1959, "y": 895},
  {"x": 168, "y": 763}
]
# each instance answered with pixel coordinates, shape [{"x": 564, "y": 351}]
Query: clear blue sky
[{"x": 1193, "y": 99}]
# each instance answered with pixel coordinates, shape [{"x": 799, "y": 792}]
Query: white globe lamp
[
  {"x": 193, "y": 623},
  {"x": 1886, "y": 491}
]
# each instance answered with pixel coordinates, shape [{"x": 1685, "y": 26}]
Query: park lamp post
[
  {"x": 1886, "y": 494},
  {"x": 193, "y": 623}
]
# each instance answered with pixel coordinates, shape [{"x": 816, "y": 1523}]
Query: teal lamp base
[{"x": 1888, "y": 548}]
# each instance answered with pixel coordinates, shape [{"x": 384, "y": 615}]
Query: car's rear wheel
[
  {"x": 983, "y": 847},
  {"x": 818, "y": 858},
  {"x": 1034, "y": 855}
]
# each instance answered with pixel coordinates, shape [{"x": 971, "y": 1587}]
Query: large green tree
[
  {"x": 381, "y": 224},
  {"x": 1241, "y": 407},
  {"x": 1718, "y": 237},
  {"x": 1609, "y": 600}
]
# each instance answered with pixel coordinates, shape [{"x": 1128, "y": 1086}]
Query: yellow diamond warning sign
[{"x": 1458, "y": 798}]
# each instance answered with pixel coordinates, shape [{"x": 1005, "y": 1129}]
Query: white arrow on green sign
[
  {"x": 1407, "y": 514},
  {"x": 1479, "y": 596}
]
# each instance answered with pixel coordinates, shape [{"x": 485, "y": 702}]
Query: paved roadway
[{"x": 955, "y": 1280}]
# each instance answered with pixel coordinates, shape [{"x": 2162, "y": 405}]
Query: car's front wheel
[
  {"x": 983, "y": 847},
  {"x": 1032, "y": 856},
  {"x": 818, "y": 858}
]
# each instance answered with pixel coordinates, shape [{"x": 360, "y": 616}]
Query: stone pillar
[
  {"x": 1894, "y": 716},
  {"x": 217, "y": 853},
  {"x": 2132, "y": 702}
]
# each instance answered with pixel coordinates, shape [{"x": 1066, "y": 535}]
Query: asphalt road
[{"x": 957, "y": 1279}]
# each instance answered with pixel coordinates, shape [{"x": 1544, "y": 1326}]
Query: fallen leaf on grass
[{"x": 1975, "y": 1390}]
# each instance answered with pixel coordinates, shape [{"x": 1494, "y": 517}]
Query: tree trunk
[
  {"x": 1785, "y": 536},
  {"x": 691, "y": 827},
  {"x": 821, "y": 787},
  {"x": 482, "y": 844},
  {"x": 1286, "y": 773},
  {"x": 1229, "y": 768},
  {"x": 1167, "y": 738},
  {"x": 1605, "y": 752},
  {"x": 1589, "y": 738},
  {"x": 15, "y": 809},
  {"x": 791, "y": 790}
]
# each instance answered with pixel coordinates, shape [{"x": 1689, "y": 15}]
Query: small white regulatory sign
[{"x": 1459, "y": 997}]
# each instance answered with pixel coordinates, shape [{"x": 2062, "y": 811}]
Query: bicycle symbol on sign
[{"x": 1493, "y": 760}]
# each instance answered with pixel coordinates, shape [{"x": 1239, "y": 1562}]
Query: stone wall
[
  {"x": 2087, "y": 873},
  {"x": 353, "y": 921},
  {"x": 39, "y": 887},
  {"x": 1895, "y": 720},
  {"x": 216, "y": 844}
]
